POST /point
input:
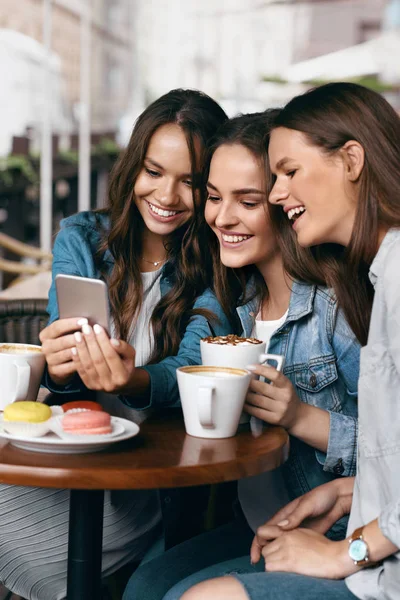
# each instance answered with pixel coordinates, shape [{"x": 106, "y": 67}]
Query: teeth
[
  {"x": 163, "y": 213},
  {"x": 235, "y": 238},
  {"x": 295, "y": 211}
]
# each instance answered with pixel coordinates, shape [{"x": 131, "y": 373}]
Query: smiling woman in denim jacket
[
  {"x": 315, "y": 398},
  {"x": 335, "y": 156},
  {"x": 145, "y": 246}
]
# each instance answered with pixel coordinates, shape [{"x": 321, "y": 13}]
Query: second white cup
[{"x": 212, "y": 399}]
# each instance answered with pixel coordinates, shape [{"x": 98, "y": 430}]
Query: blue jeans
[
  {"x": 153, "y": 579},
  {"x": 288, "y": 586},
  {"x": 260, "y": 585},
  {"x": 236, "y": 566}
]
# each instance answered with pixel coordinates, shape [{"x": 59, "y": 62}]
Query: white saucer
[{"x": 73, "y": 444}]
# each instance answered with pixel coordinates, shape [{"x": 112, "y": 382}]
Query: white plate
[{"x": 74, "y": 444}]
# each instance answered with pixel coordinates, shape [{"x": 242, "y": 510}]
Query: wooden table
[{"x": 161, "y": 456}]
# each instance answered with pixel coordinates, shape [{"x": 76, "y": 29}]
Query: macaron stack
[{"x": 30, "y": 419}]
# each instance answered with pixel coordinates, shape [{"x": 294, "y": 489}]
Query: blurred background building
[
  {"x": 111, "y": 77},
  {"x": 240, "y": 51},
  {"x": 248, "y": 54}
]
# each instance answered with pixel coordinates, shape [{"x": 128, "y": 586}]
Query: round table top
[{"x": 161, "y": 456}]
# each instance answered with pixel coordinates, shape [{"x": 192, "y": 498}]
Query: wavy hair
[
  {"x": 329, "y": 116},
  {"x": 230, "y": 285},
  {"x": 188, "y": 267}
]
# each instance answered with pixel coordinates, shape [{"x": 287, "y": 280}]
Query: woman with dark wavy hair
[
  {"x": 335, "y": 158},
  {"x": 146, "y": 246}
]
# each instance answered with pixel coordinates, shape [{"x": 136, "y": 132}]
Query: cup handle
[
  {"x": 278, "y": 358},
  {"x": 204, "y": 406},
  {"x": 23, "y": 376}
]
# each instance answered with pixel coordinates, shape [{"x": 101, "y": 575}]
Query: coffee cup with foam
[{"x": 212, "y": 399}]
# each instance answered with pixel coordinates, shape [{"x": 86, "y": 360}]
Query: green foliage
[
  {"x": 369, "y": 81},
  {"x": 274, "y": 79},
  {"x": 69, "y": 156},
  {"x": 18, "y": 168},
  {"x": 17, "y": 165},
  {"x": 106, "y": 146}
]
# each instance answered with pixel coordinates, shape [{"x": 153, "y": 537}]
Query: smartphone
[{"x": 83, "y": 297}]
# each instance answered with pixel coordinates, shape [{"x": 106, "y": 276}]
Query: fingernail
[
  {"x": 74, "y": 351},
  {"x": 283, "y": 523},
  {"x": 78, "y": 336},
  {"x": 97, "y": 329},
  {"x": 86, "y": 329},
  {"x": 81, "y": 322},
  {"x": 251, "y": 367},
  {"x": 115, "y": 342}
]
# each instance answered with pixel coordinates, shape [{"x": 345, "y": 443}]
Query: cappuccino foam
[
  {"x": 216, "y": 374},
  {"x": 231, "y": 340},
  {"x": 15, "y": 349}
]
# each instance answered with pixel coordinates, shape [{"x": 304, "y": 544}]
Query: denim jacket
[
  {"x": 74, "y": 254},
  {"x": 322, "y": 362}
]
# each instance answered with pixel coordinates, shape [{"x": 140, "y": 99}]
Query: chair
[
  {"x": 22, "y": 320},
  {"x": 21, "y": 249}
]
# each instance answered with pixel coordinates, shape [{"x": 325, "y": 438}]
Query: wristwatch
[{"x": 358, "y": 549}]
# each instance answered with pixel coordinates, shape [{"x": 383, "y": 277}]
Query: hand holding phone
[{"x": 83, "y": 297}]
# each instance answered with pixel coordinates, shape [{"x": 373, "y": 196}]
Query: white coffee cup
[
  {"x": 228, "y": 355},
  {"x": 238, "y": 356},
  {"x": 21, "y": 370},
  {"x": 212, "y": 399}
]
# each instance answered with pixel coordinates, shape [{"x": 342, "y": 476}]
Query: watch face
[{"x": 358, "y": 550}]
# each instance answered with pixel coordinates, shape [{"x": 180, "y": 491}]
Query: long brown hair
[
  {"x": 230, "y": 285},
  {"x": 329, "y": 116},
  {"x": 188, "y": 268}
]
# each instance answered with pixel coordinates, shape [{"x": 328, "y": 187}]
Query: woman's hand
[
  {"x": 277, "y": 402},
  {"x": 317, "y": 510},
  {"x": 103, "y": 364},
  {"x": 57, "y": 342},
  {"x": 307, "y": 552}
]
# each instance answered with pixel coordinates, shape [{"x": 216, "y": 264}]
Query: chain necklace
[{"x": 154, "y": 262}]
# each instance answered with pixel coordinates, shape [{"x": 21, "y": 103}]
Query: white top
[
  {"x": 141, "y": 335},
  {"x": 263, "y": 495},
  {"x": 142, "y": 339}
]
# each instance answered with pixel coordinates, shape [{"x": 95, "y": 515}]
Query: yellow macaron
[{"x": 27, "y": 412}]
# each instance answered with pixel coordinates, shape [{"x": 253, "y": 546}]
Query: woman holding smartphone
[
  {"x": 315, "y": 398},
  {"x": 335, "y": 157},
  {"x": 145, "y": 245}
]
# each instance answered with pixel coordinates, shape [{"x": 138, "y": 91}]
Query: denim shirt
[
  {"x": 377, "y": 485},
  {"x": 74, "y": 254},
  {"x": 322, "y": 362}
]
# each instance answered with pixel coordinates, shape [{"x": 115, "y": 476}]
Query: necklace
[{"x": 154, "y": 262}]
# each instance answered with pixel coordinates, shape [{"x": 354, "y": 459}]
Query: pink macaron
[{"x": 88, "y": 422}]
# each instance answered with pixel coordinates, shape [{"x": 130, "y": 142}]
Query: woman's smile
[{"x": 163, "y": 215}]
